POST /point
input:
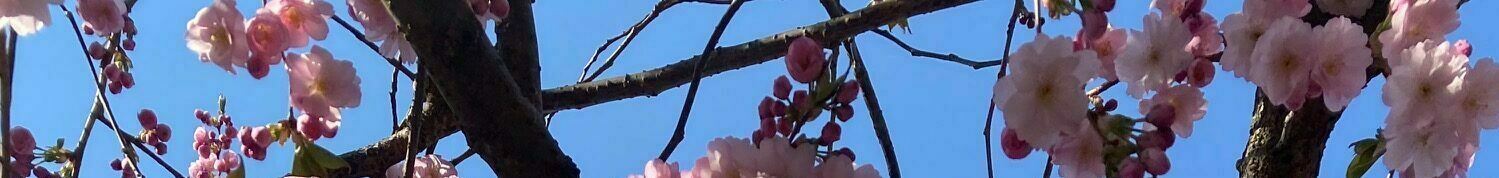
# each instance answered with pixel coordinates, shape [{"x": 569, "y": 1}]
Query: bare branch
[
  {"x": 697, "y": 79},
  {"x": 945, "y": 57}
]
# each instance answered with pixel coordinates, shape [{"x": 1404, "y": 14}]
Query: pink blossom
[
  {"x": 1205, "y": 39},
  {"x": 658, "y": 169},
  {"x": 1282, "y": 62},
  {"x": 842, "y": 166},
  {"x": 1462, "y": 47},
  {"x": 254, "y": 142},
  {"x": 804, "y": 60},
  {"x": 315, "y": 128},
  {"x": 1423, "y": 86},
  {"x": 303, "y": 19},
  {"x": 1187, "y": 103},
  {"x": 21, "y": 143},
  {"x": 103, "y": 16},
  {"x": 1340, "y": 63},
  {"x": 1242, "y": 32},
  {"x": 217, "y": 35},
  {"x": 429, "y": 166},
  {"x": 202, "y": 168},
  {"x": 1044, "y": 93},
  {"x": 1421, "y": 151},
  {"x": 1154, "y": 56},
  {"x": 774, "y": 157},
  {"x": 380, "y": 26},
  {"x": 268, "y": 42},
  {"x": 1423, "y": 20},
  {"x": 1155, "y": 160},
  {"x": 848, "y": 92},
  {"x": 321, "y": 84},
  {"x": 1131, "y": 168},
  {"x": 782, "y": 88},
  {"x": 1351, "y": 8},
  {"x": 228, "y": 161},
  {"x": 1477, "y": 99},
  {"x": 1274, "y": 9},
  {"x": 1095, "y": 24},
  {"x": 1080, "y": 153},
  {"x": 1108, "y": 47},
  {"x": 26, "y": 17}
]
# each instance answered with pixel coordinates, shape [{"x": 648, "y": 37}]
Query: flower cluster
[
  {"x": 221, "y": 35},
  {"x": 429, "y": 166},
  {"x": 773, "y": 157},
  {"x": 212, "y": 143},
  {"x": 154, "y": 133},
  {"x": 320, "y": 87},
  {"x": 1292, "y": 61},
  {"x": 1438, "y": 104},
  {"x": 108, "y": 19}
]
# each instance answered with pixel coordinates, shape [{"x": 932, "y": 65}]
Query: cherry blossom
[
  {"x": 1421, "y": 151},
  {"x": 26, "y": 17},
  {"x": 1080, "y": 153},
  {"x": 1205, "y": 39},
  {"x": 21, "y": 143},
  {"x": 103, "y": 16},
  {"x": 1462, "y": 47},
  {"x": 804, "y": 60},
  {"x": 1477, "y": 101},
  {"x": 303, "y": 19},
  {"x": 217, "y": 34},
  {"x": 320, "y": 84},
  {"x": 1416, "y": 22},
  {"x": 268, "y": 42},
  {"x": 1044, "y": 90},
  {"x": 842, "y": 166},
  {"x": 254, "y": 142},
  {"x": 1274, "y": 9},
  {"x": 1108, "y": 47},
  {"x": 1282, "y": 62},
  {"x": 1351, "y": 8},
  {"x": 1187, "y": 105},
  {"x": 1339, "y": 65},
  {"x": 1154, "y": 56},
  {"x": 429, "y": 166},
  {"x": 380, "y": 26},
  {"x": 1420, "y": 88},
  {"x": 1242, "y": 31}
]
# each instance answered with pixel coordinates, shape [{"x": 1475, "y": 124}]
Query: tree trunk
[{"x": 1286, "y": 143}]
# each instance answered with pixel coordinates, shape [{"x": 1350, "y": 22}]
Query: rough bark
[
  {"x": 502, "y": 125},
  {"x": 371, "y": 161},
  {"x": 517, "y": 45}
]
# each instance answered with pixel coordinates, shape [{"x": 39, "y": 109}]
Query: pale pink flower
[
  {"x": 1351, "y": 8},
  {"x": 1108, "y": 49},
  {"x": 1188, "y": 105},
  {"x": 1274, "y": 9},
  {"x": 1080, "y": 153},
  {"x": 429, "y": 166},
  {"x": 1423, "y": 86},
  {"x": 1205, "y": 39},
  {"x": 1282, "y": 61},
  {"x": 841, "y": 166},
  {"x": 303, "y": 19},
  {"x": 21, "y": 143},
  {"x": 1154, "y": 56},
  {"x": 268, "y": 42},
  {"x": 26, "y": 16},
  {"x": 380, "y": 26},
  {"x": 320, "y": 84},
  {"x": 778, "y": 158},
  {"x": 1421, "y": 151},
  {"x": 1340, "y": 63},
  {"x": 1477, "y": 99},
  {"x": 1044, "y": 92},
  {"x": 1242, "y": 32},
  {"x": 103, "y": 16},
  {"x": 659, "y": 169},
  {"x": 1421, "y": 21},
  {"x": 217, "y": 34}
]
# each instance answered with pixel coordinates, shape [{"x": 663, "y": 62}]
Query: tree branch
[
  {"x": 438, "y": 122},
  {"x": 505, "y": 128},
  {"x": 655, "y": 81},
  {"x": 697, "y": 79},
  {"x": 629, "y": 36},
  {"x": 947, "y": 57},
  {"x": 517, "y": 47}
]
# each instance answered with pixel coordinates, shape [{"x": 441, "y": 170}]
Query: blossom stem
[
  {"x": 395, "y": 123},
  {"x": 697, "y": 78}
]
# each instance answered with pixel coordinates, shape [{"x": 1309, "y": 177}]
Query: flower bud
[
  {"x": 147, "y": 118},
  {"x": 804, "y": 60},
  {"x": 1131, "y": 168},
  {"x": 500, "y": 9},
  {"x": 765, "y": 108},
  {"x": 1161, "y": 115},
  {"x": 163, "y": 132},
  {"x": 96, "y": 51},
  {"x": 1155, "y": 161},
  {"x": 782, "y": 87},
  {"x": 1012, "y": 145},
  {"x": 830, "y": 133},
  {"x": 844, "y": 112},
  {"x": 201, "y": 115},
  {"x": 848, "y": 92}
]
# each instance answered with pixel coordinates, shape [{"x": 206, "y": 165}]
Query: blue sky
[{"x": 936, "y": 109}]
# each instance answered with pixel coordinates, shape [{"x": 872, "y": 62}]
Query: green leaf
[
  {"x": 313, "y": 160},
  {"x": 238, "y": 172},
  {"x": 1365, "y": 153},
  {"x": 325, "y": 158}
]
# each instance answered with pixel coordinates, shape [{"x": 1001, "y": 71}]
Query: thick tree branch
[
  {"x": 372, "y": 160},
  {"x": 517, "y": 47},
  {"x": 655, "y": 81},
  {"x": 505, "y": 128}
]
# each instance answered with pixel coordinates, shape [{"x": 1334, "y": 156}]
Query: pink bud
[
  {"x": 783, "y": 126},
  {"x": 768, "y": 125},
  {"x": 782, "y": 87},
  {"x": 758, "y": 135},
  {"x": 1180, "y": 76},
  {"x": 330, "y": 129},
  {"x": 21, "y": 142},
  {"x": 1201, "y": 73},
  {"x": 1161, "y": 115},
  {"x": 232, "y": 131},
  {"x": 1104, "y": 5},
  {"x": 87, "y": 30},
  {"x": 201, "y": 115},
  {"x": 111, "y": 72},
  {"x": 161, "y": 148},
  {"x": 1155, "y": 161},
  {"x": 1162, "y": 138},
  {"x": 479, "y": 6},
  {"x": 163, "y": 132},
  {"x": 116, "y": 87},
  {"x": 41, "y": 172},
  {"x": 804, "y": 60},
  {"x": 115, "y": 164},
  {"x": 130, "y": 26},
  {"x": 1131, "y": 168},
  {"x": 96, "y": 51},
  {"x": 258, "y": 66},
  {"x": 147, "y": 118},
  {"x": 127, "y": 80},
  {"x": 311, "y": 128},
  {"x": 1110, "y": 105},
  {"x": 778, "y": 108},
  {"x": 799, "y": 101},
  {"x": 844, "y": 112},
  {"x": 1192, "y": 8},
  {"x": 830, "y": 133},
  {"x": 765, "y": 108},
  {"x": 500, "y": 9},
  {"x": 1095, "y": 23},
  {"x": 848, "y": 92},
  {"x": 846, "y": 152},
  {"x": 229, "y": 159},
  {"x": 129, "y": 44},
  {"x": 1462, "y": 47},
  {"x": 225, "y": 119},
  {"x": 21, "y": 168},
  {"x": 1012, "y": 145}
]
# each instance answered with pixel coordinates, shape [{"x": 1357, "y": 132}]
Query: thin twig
[
  {"x": 697, "y": 78},
  {"x": 1003, "y": 66},
  {"x": 945, "y": 57},
  {"x": 1047, "y": 174},
  {"x": 8, "y": 53},
  {"x": 988, "y": 140},
  {"x": 76, "y": 158},
  {"x": 393, "y": 62},
  {"x": 1104, "y": 87},
  {"x": 416, "y": 126},
  {"x": 466, "y": 153},
  {"x": 395, "y": 123},
  {"x": 629, "y": 35}
]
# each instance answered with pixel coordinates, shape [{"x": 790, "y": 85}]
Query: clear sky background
[{"x": 935, "y": 109}]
